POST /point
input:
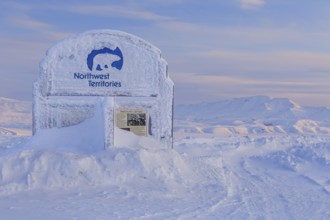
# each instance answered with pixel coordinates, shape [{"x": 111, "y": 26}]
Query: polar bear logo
[{"x": 104, "y": 59}]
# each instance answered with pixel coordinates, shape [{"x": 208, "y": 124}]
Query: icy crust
[
  {"x": 64, "y": 70},
  {"x": 70, "y": 89},
  {"x": 62, "y": 112}
]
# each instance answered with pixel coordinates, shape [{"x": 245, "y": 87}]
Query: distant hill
[
  {"x": 239, "y": 116},
  {"x": 251, "y": 115},
  {"x": 15, "y": 113}
]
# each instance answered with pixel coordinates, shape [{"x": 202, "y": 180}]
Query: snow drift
[{"x": 262, "y": 175}]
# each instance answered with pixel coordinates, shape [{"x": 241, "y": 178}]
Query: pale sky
[{"x": 216, "y": 49}]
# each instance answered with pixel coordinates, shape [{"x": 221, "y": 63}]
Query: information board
[{"x": 132, "y": 120}]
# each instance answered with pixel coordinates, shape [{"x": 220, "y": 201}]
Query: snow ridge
[{"x": 251, "y": 115}]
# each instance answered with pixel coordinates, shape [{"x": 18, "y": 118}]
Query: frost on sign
[{"x": 105, "y": 75}]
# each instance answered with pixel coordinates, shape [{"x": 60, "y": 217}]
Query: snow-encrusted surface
[
  {"x": 254, "y": 176},
  {"x": 65, "y": 69},
  {"x": 96, "y": 69}
]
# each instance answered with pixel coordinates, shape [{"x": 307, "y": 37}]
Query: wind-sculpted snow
[
  {"x": 279, "y": 177},
  {"x": 55, "y": 175}
]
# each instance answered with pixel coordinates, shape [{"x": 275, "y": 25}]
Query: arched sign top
[
  {"x": 104, "y": 63},
  {"x": 116, "y": 76}
]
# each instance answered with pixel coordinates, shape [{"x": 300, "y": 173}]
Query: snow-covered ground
[{"x": 248, "y": 158}]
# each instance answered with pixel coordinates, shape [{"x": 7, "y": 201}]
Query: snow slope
[
  {"x": 251, "y": 115},
  {"x": 15, "y": 116},
  {"x": 55, "y": 175}
]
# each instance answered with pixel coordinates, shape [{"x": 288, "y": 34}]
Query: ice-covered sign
[{"x": 105, "y": 73}]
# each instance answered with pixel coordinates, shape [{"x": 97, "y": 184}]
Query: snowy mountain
[
  {"x": 251, "y": 115},
  {"x": 282, "y": 174}
]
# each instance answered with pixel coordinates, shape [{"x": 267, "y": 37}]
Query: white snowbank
[
  {"x": 75, "y": 157},
  {"x": 253, "y": 176},
  {"x": 202, "y": 178}
]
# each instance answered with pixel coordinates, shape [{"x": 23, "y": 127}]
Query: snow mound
[
  {"x": 66, "y": 173},
  {"x": 74, "y": 157},
  {"x": 202, "y": 178}
]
